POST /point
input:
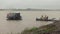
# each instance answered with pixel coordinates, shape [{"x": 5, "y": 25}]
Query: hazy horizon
[{"x": 22, "y": 4}]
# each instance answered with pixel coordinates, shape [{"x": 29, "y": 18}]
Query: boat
[
  {"x": 14, "y": 16},
  {"x": 45, "y": 19},
  {"x": 37, "y": 19}
]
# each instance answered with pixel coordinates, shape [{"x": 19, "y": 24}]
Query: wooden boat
[
  {"x": 38, "y": 19},
  {"x": 14, "y": 16}
]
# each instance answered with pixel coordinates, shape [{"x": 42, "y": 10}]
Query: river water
[{"x": 28, "y": 20}]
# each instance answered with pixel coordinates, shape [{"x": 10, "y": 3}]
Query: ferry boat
[{"x": 14, "y": 16}]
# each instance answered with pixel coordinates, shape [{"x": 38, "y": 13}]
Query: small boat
[
  {"x": 53, "y": 19},
  {"x": 45, "y": 19},
  {"x": 14, "y": 16},
  {"x": 37, "y": 19}
]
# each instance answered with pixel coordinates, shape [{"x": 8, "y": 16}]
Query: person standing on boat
[{"x": 46, "y": 17}]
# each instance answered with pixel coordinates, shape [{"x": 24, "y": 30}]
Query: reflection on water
[{"x": 28, "y": 21}]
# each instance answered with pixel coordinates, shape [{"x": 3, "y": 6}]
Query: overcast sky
[{"x": 50, "y": 4}]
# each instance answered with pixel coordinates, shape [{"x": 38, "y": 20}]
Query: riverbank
[{"x": 46, "y": 29}]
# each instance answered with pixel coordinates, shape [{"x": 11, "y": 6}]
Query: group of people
[{"x": 44, "y": 17}]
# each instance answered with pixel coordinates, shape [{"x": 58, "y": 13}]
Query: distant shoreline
[{"x": 30, "y": 9}]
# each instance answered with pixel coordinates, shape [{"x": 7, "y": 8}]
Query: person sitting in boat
[{"x": 46, "y": 17}]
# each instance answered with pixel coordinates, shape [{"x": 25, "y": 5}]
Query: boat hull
[{"x": 44, "y": 20}]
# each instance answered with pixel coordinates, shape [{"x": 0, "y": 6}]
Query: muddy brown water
[{"x": 28, "y": 20}]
